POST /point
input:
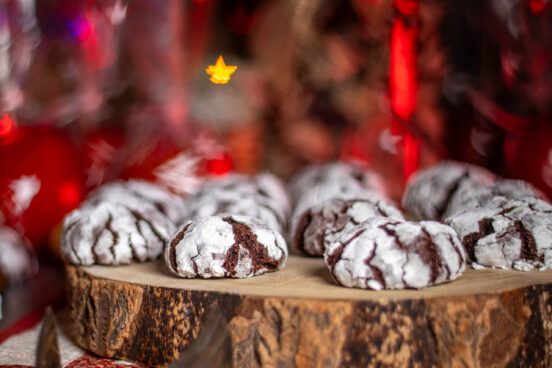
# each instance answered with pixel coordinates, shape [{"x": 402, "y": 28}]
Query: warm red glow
[
  {"x": 403, "y": 84},
  {"x": 538, "y": 6},
  {"x": 81, "y": 28},
  {"x": 6, "y": 126},
  {"x": 411, "y": 155},
  {"x": 407, "y": 7},
  {"x": 353, "y": 147},
  {"x": 84, "y": 29},
  {"x": 69, "y": 194},
  {"x": 403, "y": 69},
  {"x": 220, "y": 165}
]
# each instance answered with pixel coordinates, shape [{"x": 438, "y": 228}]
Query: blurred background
[{"x": 99, "y": 90}]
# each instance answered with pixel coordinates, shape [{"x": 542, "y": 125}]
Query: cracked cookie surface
[
  {"x": 262, "y": 196},
  {"x": 472, "y": 196},
  {"x": 507, "y": 233},
  {"x": 115, "y": 232},
  {"x": 391, "y": 253},
  {"x": 319, "y": 184},
  {"x": 314, "y": 175},
  {"x": 320, "y": 225},
  {"x": 131, "y": 191},
  {"x": 225, "y": 246},
  {"x": 429, "y": 192}
]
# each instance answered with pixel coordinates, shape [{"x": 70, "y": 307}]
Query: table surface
[{"x": 305, "y": 277}]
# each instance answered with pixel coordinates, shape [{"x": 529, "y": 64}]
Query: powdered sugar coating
[
  {"x": 319, "y": 184},
  {"x": 429, "y": 191},
  {"x": 132, "y": 191},
  {"x": 474, "y": 195},
  {"x": 17, "y": 262},
  {"x": 507, "y": 233},
  {"x": 313, "y": 175},
  {"x": 320, "y": 225},
  {"x": 322, "y": 192},
  {"x": 252, "y": 206},
  {"x": 262, "y": 196},
  {"x": 272, "y": 187},
  {"x": 391, "y": 253},
  {"x": 225, "y": 246},
  {"x": 112, "y": 233}
]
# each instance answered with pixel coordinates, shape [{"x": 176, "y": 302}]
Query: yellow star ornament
[{"x": 220, "y": 72}]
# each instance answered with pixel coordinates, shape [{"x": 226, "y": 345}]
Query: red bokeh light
[
  {"x": 40, "y": 181},
  {"x": 407, "y": 7},
  {"x": 6, "y": 126},
  {"x": 70, "y": 194},
  {"x": 220, "y": 165},
  {"x": 538, "y": 6},
  {"x": 404, "y": 85},
  {"x": 403, "y": 69}
]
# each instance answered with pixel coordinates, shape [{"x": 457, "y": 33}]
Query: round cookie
[
  {"x": 251, "y": 206},
  {"x": 390, "y": 253},
  {"x": 428, "y": 193},
  {"x": 225, "y": 246},
  {"x": 17, "y": 262},
  {"x": 507, "y": 233},
  {"x": 271, "y": 187},
  {"x": 322, "y": 192},
  {"x": 472, "y": 196},
  {"x": 262, "y": 196},
  {"x": 112, "y": 233},
  {"x": 319, "y": 226},
  {"x": 313, "y": 175},
  {"x": 170, "y": 204}
]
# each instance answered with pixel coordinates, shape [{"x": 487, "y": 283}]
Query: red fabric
[{"x": 27, "y": 322}]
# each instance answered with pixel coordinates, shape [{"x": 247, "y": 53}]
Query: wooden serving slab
[{"x": 299, "y": 317}]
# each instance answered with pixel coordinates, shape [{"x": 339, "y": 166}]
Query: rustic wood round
[{"x": 300, "y": 317}]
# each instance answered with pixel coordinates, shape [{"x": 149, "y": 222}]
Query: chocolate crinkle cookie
[
  {"x": 320, "y": 225},
  {"x": 507, "y": 233},
  {"x": 391, "y": 253},
  {"x": 472, "y": 196},
  {"x": 170, "y": 204},
  {"x": 314, "y": 175},
  {"x": 111, "y": 231},
  {"x": 17, "y": 261},
  {"x": 225, "y": 246},
  {"x": 314, "y": 188},
  {"x": 263, "y": 197},
  {"x": 428, "y": 193}
]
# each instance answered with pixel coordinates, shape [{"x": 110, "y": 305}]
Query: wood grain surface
[{"x": 298, "y": 317}]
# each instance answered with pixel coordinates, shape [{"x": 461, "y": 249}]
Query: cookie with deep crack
[
  {"x": 113, "y": 233},
  {"x": 391, "y": 253},
  {"x": 428, "y": 193},
  {"x": 320, "y": 225},
  {"x": 507, "y": 233},
  {"x": 225, "y": 246}
]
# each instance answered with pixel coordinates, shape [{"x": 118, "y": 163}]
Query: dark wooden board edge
[{"x": 150, "y": 325}]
